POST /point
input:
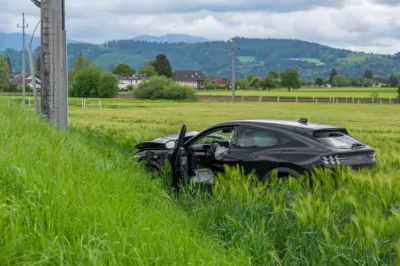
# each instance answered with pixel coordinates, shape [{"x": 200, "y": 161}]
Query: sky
[{"x": 358, "y": 25}]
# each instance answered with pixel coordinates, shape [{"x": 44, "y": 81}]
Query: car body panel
[{"x": 297, "y": 147}]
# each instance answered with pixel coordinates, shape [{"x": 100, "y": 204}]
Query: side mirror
[{"x": 170, "y": 144}]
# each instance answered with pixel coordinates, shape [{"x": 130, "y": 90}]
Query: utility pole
[
  {"x": 23, "y": 27},
  {"x": 233, "y": 70},
  {"x": 54, "y": 92}
]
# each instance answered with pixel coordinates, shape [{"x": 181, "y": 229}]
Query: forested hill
[{"x": 254, "y": 56}]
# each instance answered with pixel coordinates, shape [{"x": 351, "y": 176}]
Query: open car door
[{"x": 179, "y": 161}]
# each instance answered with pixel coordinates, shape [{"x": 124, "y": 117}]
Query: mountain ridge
[{"x": 254, "y": 56}]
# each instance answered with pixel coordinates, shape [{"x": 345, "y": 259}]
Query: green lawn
[{"x": 246, "y": 59}]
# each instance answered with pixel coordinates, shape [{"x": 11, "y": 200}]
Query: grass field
[
  {"x": 93, "y": 207},
  {"x": 384, "y": 93}
]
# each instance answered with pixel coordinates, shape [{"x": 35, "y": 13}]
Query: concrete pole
[
  {"x": 51, "y": 60},
  {"x": 23, "y": 57},
  {"x": 64, "y": 87}
]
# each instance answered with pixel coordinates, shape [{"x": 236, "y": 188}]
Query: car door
[
  {"x": 256, "y": 150},
  {"x": 179, "y": 161},
  {"x": 201, "y": 152}
]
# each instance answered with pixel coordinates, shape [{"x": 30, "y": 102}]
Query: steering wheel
[{"x": 214, "y": 145}]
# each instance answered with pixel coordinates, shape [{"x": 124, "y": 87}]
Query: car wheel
[
  {"x": 283, "y": 173},
  {"x": 153, "y": 168}
]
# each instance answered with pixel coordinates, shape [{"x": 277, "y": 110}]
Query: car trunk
[{"x": 345, "y": 149}]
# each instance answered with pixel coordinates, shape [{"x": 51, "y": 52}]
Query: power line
[{"x": 23, "y": 27}]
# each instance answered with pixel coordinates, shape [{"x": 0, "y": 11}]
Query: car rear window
[{"x": 336, "y": 139}]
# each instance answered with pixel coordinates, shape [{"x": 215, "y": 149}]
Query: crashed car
[{"x": 291, "y": 148}]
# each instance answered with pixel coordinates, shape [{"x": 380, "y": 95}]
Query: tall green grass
[
  {"x": 349, "y": 219},
  {"x": 352, "y": 219},
  {"x": 68, "y": 200}
]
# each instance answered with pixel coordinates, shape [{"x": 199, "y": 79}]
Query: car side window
[
  {"x": 256, "y": 138},
  {"x": 224, "y": 136}
]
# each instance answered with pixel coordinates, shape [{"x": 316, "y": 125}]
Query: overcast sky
[{"x": 361, "y": 25}]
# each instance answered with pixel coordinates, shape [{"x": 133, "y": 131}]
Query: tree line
[{"x": 256, "y": 56}]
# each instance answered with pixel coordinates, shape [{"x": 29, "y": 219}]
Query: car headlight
[{"x": 140, "y": 154}]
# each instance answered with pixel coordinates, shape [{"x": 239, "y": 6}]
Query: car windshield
[{"x": 337, "y": 139}]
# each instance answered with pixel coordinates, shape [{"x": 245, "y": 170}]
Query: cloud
[{"x": 362, "y": 25}]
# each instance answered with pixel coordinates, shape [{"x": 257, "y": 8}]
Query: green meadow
[{"x": 77, "y": 198}]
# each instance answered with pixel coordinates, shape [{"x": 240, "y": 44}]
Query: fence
[{"x": 353, "y": 100}]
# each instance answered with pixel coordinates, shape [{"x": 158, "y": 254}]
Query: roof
[
  {"x": 188, "y": 75},
  {"x": 16, "y": 78},
  {"x": 381, "y": 80},
  {"x": 139, "y": 77},
  {"x": 290, "y": 125}
]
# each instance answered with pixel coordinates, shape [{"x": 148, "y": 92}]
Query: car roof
[{"x": 301, "y": 126}]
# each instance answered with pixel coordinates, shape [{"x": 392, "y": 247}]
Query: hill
[
  {"x": 14, "y": 41},
  {"x": 254, "y": 56}
]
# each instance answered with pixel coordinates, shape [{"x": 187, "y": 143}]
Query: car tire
[
  {"x": 154, "y": 168},
  {"x": 283, "y": 172}
]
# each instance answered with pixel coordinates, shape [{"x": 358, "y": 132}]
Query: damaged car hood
[{"x": 159, "y": 143}]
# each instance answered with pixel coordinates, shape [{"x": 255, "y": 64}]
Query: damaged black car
[{"x": 291, "y": 148}]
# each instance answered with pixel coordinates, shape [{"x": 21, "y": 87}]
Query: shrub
[
  {"x": 163, "y": 88},
  {"x": 94, "y": 82},
  {"x": 108, "y": 86}
]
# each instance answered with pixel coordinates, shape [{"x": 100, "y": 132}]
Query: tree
[
  {"x": 290, "y": 79},
  {"x": 162, "y": 66},
  {"x": 124, "y": 70},
  {"x": 87, "y": 82},
  {"x": 148, "y": 69},
  {"x": 333, "y": 73},
  {"x": 9, "y": 64},
  {"x": 4, "y": 74},
  {"x": 393, "y": 81},
  {"x": 398, "y": 91},
  {"x": 82, "y": 63},
  {"x": 319, "y": 82},
  {"x": 271, "y": 81},
  {"x": 108, "y": 87},
  {"x": 368, "y": 74},
  {"x": 340, "y": 81},
  {"x": 255, "y": 83}
]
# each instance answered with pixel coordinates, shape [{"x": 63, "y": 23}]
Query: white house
[
  {"x": 124, "y": 82},
  {"x": 16, "y": 79}
]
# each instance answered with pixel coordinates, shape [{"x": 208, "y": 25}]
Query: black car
[{"x": 292, "y": 148}]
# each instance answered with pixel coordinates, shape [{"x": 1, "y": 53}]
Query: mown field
[
  {"x": 384, "y": 93},
  {"x": 78, "y": 200}
]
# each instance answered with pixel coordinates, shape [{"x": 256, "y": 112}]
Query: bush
[
  {"x": 163, "y": 88},
  {"x": 94, "y": 82},
  {"x": 108, "y": 86}
]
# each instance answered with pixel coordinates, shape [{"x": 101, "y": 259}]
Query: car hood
[{"x": 159, "y": 143}]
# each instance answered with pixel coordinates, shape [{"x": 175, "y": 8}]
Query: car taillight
[{"x": 332, "y": 159}]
